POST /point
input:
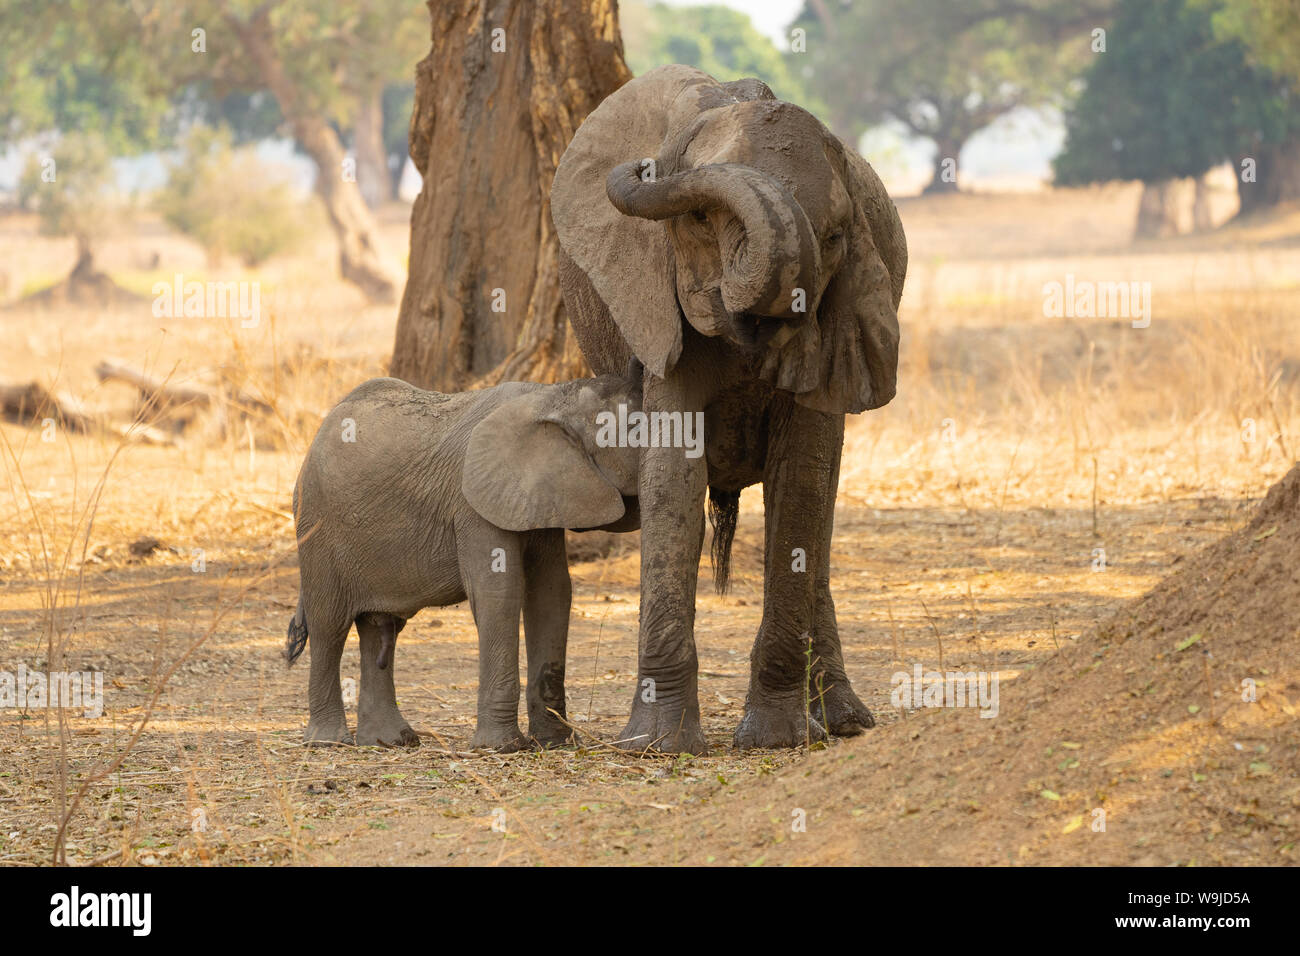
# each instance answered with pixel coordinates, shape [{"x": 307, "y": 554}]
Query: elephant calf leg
[
  {"x": 379, "y": 722},
  {"x": 328, "y": 723},
  {"x": 493, "y": 573},
  {"x": 547, "y": 599}
]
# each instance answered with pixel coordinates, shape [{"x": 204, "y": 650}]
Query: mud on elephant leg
[
  {"x": 379, "y": 722},
  {"x": 328, "y": 724},
  {"x": 547, "y": 598},
  {"x": 665, "y": 705},
  {"x": 799, "y": 487},
  {"x": 832, "y": 701}
]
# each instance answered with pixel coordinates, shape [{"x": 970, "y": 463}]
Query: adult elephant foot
[
  {"x": 839, "y": 710},
  {"x": 502, "y": 739},
  {"x": 776, "y": 725},
  {"x": 329, "y": 732},
  {"x": 550, "y": 735},
  {"x": 394, "y": 732},
  {"x": 664, "y": 727}
]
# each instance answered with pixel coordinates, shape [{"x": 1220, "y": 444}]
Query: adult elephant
[{"x": 754, "y": 265}]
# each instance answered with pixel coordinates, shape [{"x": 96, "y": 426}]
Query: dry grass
[{"x": 969, "y": 515}]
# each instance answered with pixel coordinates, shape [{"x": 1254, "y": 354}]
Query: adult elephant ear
[
  {"x": 847, "y": 361},
  {"x": 525, "y": 470},
  {"x": 627, "y": 260}
]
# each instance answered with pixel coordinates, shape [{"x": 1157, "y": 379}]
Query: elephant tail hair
[
  {"x": 297, "y": 639},
  {"x": 724, "y": 509}
]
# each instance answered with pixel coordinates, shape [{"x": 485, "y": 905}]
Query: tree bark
[
  {"x": 373, "y": 178},
  {"x": 1158, "y": 210},
  {"x": 1276, "y": 177},
  {"x": 488, "y": 128},
  {"x": 359, "y": 259},
  {"x": 943, "y": 180},
  {"x": 1202, "y": 214}
]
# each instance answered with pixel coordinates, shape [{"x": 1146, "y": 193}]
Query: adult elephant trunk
[{"x": 773, "y": 252}]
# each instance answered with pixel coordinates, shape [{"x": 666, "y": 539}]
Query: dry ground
[{"x": 970, "y": 520}]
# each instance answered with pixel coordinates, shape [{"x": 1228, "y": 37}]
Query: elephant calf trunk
[{"x": 724, "y": 510}]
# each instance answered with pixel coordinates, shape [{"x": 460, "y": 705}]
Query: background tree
[
  {"x": 1271, "y": 31},
  {"x": 497, "y": 99},
  {"x": 72, "y": 189},
  {"x": 141, "y": 70},
  {"x": 719, "y": 40},
  {"x": 1170, "y": 99},
  {"x": 943, "y": 71},
  {"x": 228, "y": 201}
]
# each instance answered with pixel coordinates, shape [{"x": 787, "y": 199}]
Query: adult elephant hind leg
[
  {"x": 328, "y": 723},
  {"x": 799, "y": 485},
  {"x": 547, "y": 599},
  {"x": 833, "y": 701},
  {"x": 665, "y": 704},
  {"x": 379, "y": 722}
]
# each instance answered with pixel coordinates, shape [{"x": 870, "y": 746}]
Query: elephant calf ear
[{"x": 523, "y": 472}]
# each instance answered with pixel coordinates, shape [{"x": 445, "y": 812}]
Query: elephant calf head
[
  {"x": 536, "y": 461},
  {"x": 684, "y": 197}
]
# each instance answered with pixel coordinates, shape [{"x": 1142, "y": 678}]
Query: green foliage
[
  {"x": 943, "y": 70},
  {"x": 1169, "y": 98},
  {"x": 1269, "y": 28},
  {"x": 76, "y": 65},
  {"x": 71, "y": 188},
  {"x": 130, "y": 71},
  {"x": 716, "y": 39},
  {"x": 229, "y": 202}
]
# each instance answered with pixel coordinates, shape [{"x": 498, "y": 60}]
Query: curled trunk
[{"x": 774, "y": 233}]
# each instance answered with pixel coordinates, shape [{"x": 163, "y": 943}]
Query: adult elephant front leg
[
  {"x": 671, "y": 487},
  {"x": 799, "y": 485}
]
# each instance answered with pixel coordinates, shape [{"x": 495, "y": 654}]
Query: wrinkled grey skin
[
  {"x": 433, "y": 493},
  {"x": 756, "y": 272}
]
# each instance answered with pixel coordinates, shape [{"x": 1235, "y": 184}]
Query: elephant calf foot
[
  {"x": 664, "y": 727},
  {"x": 503, "y": 738},
  {"x": 392, "y": 732},
  {"x": 839, "y": 710},
  {"x": 327, "y": 732},
  {"x": 777, "y": 724}
]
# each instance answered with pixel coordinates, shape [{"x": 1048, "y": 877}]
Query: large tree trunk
[
  {"x": 944, "y": 179},
  {"x": 1202, "y": 213},
  {"x": 1158, "y": 210},
  {"x": 373, "y": 178},
  {"x": 359, "y": 259},
  {"x": 488, "y": 128},
  {"x": 1276, "y": 177}
]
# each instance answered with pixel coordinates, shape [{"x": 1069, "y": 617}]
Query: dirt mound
[{"x": 1174, "y": 723}]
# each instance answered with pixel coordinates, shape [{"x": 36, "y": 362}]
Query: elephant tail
[
  {"x": 724, "y": 509},
  {"x": 297, "y": 638}
]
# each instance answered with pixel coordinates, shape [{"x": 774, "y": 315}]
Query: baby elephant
[{"x": 411, "y": 499}]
